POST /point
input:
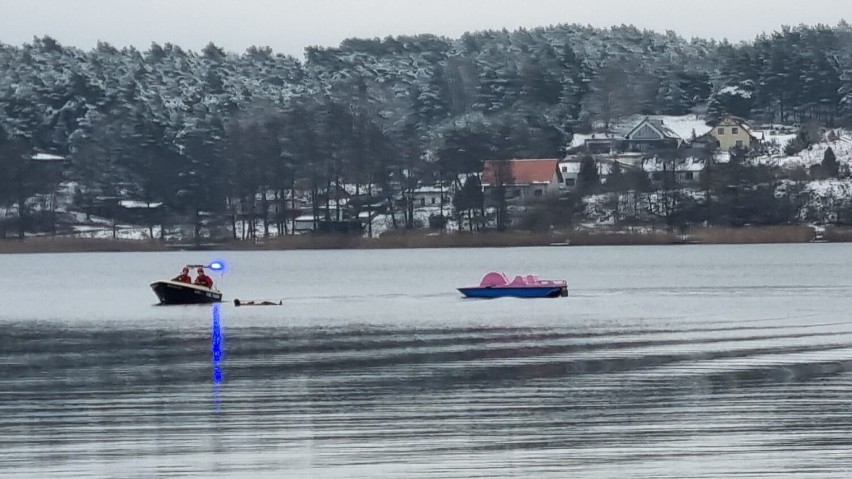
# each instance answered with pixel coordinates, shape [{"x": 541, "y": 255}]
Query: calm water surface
[{"x": 680, "y": 362}]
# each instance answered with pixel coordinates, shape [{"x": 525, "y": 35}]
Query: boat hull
[
  {"x": 515, "y": 292},
  {"x": 173, "y": 292}
]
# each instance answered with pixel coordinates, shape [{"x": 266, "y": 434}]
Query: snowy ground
[
  {"x": 684, "y": 126},
  {"x": 823, "y": 197},
  {"x": 813, "y": 155},
  {"x": 384, "y": 223},
  {"x": 122, "y": 231}
]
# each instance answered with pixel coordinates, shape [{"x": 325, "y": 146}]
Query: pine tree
[
  {"x": 468, "y": 199},
  {"x": 588, "y": 177},
  {"x": 735, "y": 100},
  {"x": 829, "y": 163},
  {"x": 18, "y": 179},
  {"x": 616, "y": 180}
]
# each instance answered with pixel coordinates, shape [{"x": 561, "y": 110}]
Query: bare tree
[
  {"x": 503, "y": 177},
  {"x": 18, "y": 179}
]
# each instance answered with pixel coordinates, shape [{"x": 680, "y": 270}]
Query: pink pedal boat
[{"x": 497, "y": 285}]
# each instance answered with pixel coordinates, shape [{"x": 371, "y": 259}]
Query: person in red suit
[
  {"x": 183, "y": 277},
  {"x": 203, "y": 280}
]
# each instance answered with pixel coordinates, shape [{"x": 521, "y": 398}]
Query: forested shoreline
[{"x": 197, "y": 130}]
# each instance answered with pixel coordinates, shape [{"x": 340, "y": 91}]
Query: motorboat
[
  {"x": 173, "y": 291},
  {"x": 497, "y": 285}
]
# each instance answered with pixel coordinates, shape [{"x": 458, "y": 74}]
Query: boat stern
[{"x": 171, "y": 292}]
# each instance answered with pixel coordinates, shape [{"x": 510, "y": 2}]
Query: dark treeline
[{"x": 197, "y": 130}]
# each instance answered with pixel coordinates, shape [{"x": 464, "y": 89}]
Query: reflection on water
[
  {"x": 217, "y": 342},
  {"x": 457, "y": 402},
  {"x": 618, "y": 380}
]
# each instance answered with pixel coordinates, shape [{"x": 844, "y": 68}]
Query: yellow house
[{"x": 732, "y": 131}]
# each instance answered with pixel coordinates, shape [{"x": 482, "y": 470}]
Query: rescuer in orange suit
[
  {"x": 203, "y": 280},
  {"x": 183, "y": 277}
]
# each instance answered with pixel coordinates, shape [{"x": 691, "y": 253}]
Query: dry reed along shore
[{"x": 702, "y": 235}]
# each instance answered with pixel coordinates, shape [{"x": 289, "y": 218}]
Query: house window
[
  {"x": 564, "y": 169},
  {"x": 422, "y": 201},
  {"x": 570, "y": 181},
  {"x": 721, "y": 131},
  {"x": 538, "y": 193},
  {"x": 739, "y": 143},
  {"x": 433, "y": 200},
  {"x": 688, "y": 175},
  {"x": 734, "y": 131}
]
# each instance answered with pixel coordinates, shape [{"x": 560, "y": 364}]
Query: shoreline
[{"x": 415, "y": 240}]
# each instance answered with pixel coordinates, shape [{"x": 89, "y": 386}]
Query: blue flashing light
[{"x": 217, "y": 266}]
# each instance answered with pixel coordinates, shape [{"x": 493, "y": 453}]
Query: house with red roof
[{"x": 524, "y": 180}]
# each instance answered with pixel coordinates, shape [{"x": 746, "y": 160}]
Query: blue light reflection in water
[{"x": 217, "y": 349}]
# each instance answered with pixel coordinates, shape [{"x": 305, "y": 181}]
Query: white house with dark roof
[
  {"x": 432, "y": 195},
  {"x": 569, "y": 168}
]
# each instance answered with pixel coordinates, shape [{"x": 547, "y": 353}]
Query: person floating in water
[
  {"x": 237, "y": 302},
  {"x": 183, "y": 277},
  {"x": 203, "y": 280}
]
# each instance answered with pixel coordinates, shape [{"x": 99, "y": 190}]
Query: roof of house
[
  {"x": 136, "y": 205},
  {"x": 603, "y": 138},
  {"x": 431, "y": 189},
  {"x": 707, "y": 137},
  {"x": 652, "y": 165},
  {"x": 604, "y": 165},
  {"x": 658, "y": 126},
  {"x": 48, "y": 157},
  {"x": 521, "y": 171}
]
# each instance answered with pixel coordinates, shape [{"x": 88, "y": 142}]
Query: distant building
[
  {"x": 138, "y": 211},
  {"x": 733, "y": 132},
  {"x": 705, "y": 142},
  {"x": 433, "y": 195},
  {"x": 604, "y": 143},
  {"x": 139, "y": 205},
  {"x": 524, "y": 179},
  {"x": 570, "y": 167},
  {"x": 276, "y": 205},
  {"x": 652, "y": 134},
  {"x": 305, "y": 223},
  {"x": 680, "y": 170},
  {"x": 626, "y": 162}
]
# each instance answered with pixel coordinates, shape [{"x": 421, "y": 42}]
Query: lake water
[{"x": 678, "y": 361}]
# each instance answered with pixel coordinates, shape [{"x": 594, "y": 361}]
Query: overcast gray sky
[{"x": 290, "y": 25}]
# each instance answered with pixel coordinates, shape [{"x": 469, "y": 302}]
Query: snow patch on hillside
[{"x": 814, "y": 154}]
